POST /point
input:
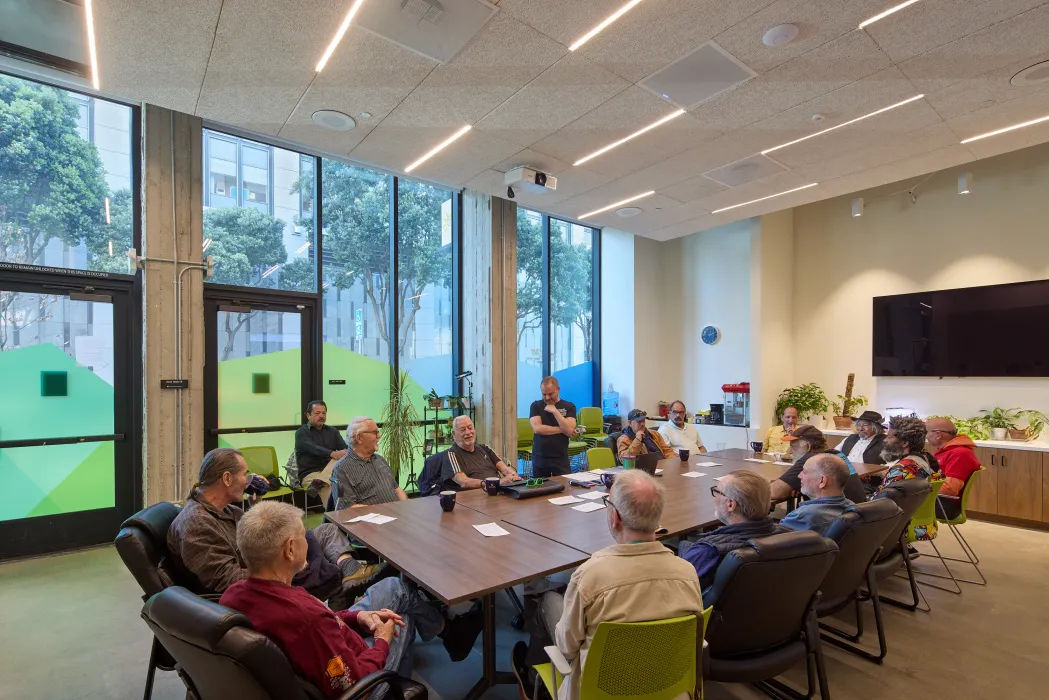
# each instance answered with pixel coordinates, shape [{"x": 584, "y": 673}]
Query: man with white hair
[
  {"x": 467, "y": 463},
  {"x": 823, "y": 480},
  {"x": 634, "y": 580},
  {"x": 363, "y": 476},
  {"x": 332, "y": 650}
]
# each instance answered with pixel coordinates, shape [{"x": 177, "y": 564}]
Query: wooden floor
[{"x": 70, "y": 628}]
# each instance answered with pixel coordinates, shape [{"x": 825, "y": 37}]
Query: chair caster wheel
[{"x": 517, "y": 622}]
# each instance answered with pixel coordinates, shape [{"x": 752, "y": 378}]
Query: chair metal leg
[
  {"x": 916, "y": 595},
  {"x": 152, "y": 670},
  {"x": 957, "y": 589},
  {"x": 970, "y": 556}
]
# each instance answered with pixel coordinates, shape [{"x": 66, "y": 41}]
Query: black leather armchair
[
  {"x": 763, "y": 620},
  {"x": 860, "y": 534},
  {"x": 909, "y": 496},
  {"x": 142, "y": 545},
  {"x": 225, "y": 658}
]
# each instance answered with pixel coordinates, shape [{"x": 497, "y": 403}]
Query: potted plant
[
  {"x": 999, "y": 421},
  {"x": 1035, "y": 420},
  {"x": 809, "y": 399},
  {"x": 455, "y": 401},
  {"x": 846, "y": 405},
  {"x": 436, "y": 402},
  {"x": 399, "y": 425}
]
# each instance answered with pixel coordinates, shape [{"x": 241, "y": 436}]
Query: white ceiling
[{"x": 250, "y": 63}]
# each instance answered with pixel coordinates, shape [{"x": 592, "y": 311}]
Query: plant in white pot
[{"x": 1000, "y": 421}]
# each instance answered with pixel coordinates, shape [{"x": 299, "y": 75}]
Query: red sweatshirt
[
  {"x": 958, "y": 462},
  {"x": 320, "y": 643}
]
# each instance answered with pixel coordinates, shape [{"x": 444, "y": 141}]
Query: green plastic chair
[
  {"x": 922, "y": 528},
  {"x": 636, "y": 660},
  {"x": 262, "y": 460},
  {"x": 600, "y": 458},
  {"x": 593, "y": 420},
  {"x": 970, "y": 554},
  {"x": 524, "y": 438}
]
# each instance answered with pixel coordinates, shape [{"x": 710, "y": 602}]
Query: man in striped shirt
[
  {"x": 364, "y": 477},
  {"x": 468, "y": 464}
]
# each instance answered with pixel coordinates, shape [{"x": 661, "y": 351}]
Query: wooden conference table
[{"x": 447, "y": 556}]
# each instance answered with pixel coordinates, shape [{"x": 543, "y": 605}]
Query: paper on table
[
  {"x": 565, "y": 500},
  {"x": 693, "y": 475},
  {"x": 707, "y": 464},
  {"x": 593, "y": 495},
  {"x": 658, "y": 472},
  {"x": 597, "y": 471},
  {"x": 763, "y": 461},
  {"x": 587, "y": 507},
  {"x": 359, "y": 518},
  {"x": 490, "y": 530},
  {"x": 719, "y": 478},
  {"x": 583, "y": 477},
  {"x": 783, "y": 464},
  {"x": 380, "y": 519}
]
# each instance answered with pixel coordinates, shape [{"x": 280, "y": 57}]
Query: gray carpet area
[{"x": 70, "y": 628}]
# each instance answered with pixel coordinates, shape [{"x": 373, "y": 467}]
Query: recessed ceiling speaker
[
  {"x": 628, "y": 211},
  {"x": 1031, "y": 75},
  {"x": 780, "y": 35},
  {"x": 330, "y": 119}
]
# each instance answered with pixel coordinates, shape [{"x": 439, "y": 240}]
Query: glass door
[
  {"x": 68, "y": 462},
  {"x": 258, "y": 373}
]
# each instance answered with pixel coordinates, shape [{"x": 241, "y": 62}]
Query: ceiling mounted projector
[{"x": 530, "y": 180}]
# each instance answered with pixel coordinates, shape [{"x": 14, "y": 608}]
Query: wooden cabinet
[
  {"x": 1045, "y": 487},
  {"x": 984, "y": 496}
]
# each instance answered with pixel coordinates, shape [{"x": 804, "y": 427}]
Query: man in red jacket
[
  {"x": 329, "y": 649},
  {"x": 958, "y": 462}
]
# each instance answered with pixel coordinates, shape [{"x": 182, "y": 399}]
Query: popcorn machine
[{"x": 737, "y": 404}]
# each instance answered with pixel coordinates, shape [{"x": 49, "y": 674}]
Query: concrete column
[
  {"x": 173, "y": 435},
  {"x": 771, "y": 314},
  {"x": 489, "y": 316}
]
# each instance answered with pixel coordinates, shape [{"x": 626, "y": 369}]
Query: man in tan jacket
[
  {"x": 637, "y": 440},
  {"x": 635, "y": 580}
]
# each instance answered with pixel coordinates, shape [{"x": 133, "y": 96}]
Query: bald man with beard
[{"x": 956, "y": 455}]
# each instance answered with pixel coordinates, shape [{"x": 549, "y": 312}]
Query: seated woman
[{"x": 774, "y": 437}]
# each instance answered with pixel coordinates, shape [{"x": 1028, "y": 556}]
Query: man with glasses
[
  {"x": 638, "y": 440},
  {"x": 957, "y": 458},
  {"x": 678, "y": 434},
  {"x": 363, "y": 476},
  {"x": 634, "y": 580},
  {"x": 741, "y": 503}
]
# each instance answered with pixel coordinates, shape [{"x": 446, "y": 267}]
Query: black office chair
[
  {"x": 225, "y": 657},
  {"x": 860, "y": 533},
  {"x": 909, "y": 495},
  {"x": 610, "y": 443},
  {"x": 142, "y": 545},
  {"x": 760, "y": 627}
]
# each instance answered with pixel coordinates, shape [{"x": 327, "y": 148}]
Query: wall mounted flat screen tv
[{"x": 995, "y": 331}]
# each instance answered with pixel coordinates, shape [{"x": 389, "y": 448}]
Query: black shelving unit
[{"x": 433, "y": 418}]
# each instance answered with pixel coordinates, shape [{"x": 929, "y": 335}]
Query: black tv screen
[{"x": 996, "y": 331}]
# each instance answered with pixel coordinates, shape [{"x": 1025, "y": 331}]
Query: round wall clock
[{"x": 711, "y": 335}]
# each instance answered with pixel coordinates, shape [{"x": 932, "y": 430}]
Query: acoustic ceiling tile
[
  {"x": 596, "y": 199},
  {"x": 141, "y": 64},
  {"x": 564, "y": 92},
  {"x": 925, "y": 26},
  {"x": 999, "y": 116},
  {"x": 685, "y": 228},
  {"x": 911, "y": 169},
  {"x": 985, "y": 90},
  {"x": 653, "y": 219},
  {"x": 692, "y": 189},
  {"x": 244, "y": 85},
  {"x": 829, "y": 67},
  {"x": 397, "y": 147},
  {"x": 770, "y": 185}
]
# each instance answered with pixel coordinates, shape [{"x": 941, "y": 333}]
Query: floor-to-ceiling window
[{"x": 556, "y": 310}]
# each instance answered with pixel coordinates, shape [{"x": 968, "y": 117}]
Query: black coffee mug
[
  {"x": 607, "y": 478},
  {"x": 447, "y": 501},
  {"x": 491, "y": 485},
  {"x": 683, "y": 454},
  {"x": 756, "y": 446}
]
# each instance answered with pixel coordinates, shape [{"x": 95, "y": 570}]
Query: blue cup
[
  {"x": 491, "y": 485},
  {"x": 607, "y": 478},
  {"x": 756, "y": 446},
  {"x": 447, "y": 501}
]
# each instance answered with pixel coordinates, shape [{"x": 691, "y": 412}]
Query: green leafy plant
[
  {"x": 1000, "y": 417},
  {"x": 1036, "y": 422},
  {"x": 838, "y": 407},
  {"x": 809, "y": 399},
  {"x": 399, "y": 419},
  {"x": 971, "y": 427},
  {"x": 455, "y": 401}
]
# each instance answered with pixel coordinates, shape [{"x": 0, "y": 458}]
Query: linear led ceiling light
[
  {"x": 90, "y": 15},
  {"x": 851, "y": 121},
  {"x": 611, "y": 18},
  {"x": 762, "y": 199},
  {"x": 887, "y": 12},
  {"x": 634, "y": 135},
  {"x": 1014, "y": 127},
  {"x": 617, "y": 204},
  {"x": 339, "y": 34},
  {"x": 440, "y": 147}
]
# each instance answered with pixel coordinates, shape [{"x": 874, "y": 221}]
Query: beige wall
[
  {"x": 997, "y": 234},
  {"x": 771, "y": 313}
]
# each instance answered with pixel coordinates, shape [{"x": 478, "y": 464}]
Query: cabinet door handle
[
  {"x": 1003, "y": 460},
  {"x": 992, "y": 460}
]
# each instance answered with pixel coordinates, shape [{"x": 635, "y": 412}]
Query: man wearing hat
[
  {"x": 865, "y": 446},
  {"x": 807, "y": 441},
  {"x": 636, "y": 440}
]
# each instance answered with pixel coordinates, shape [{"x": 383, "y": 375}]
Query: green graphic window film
[{"x": 258, "y": 343}]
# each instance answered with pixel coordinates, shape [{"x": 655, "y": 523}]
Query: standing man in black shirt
[
  {"x": 317, "y": 447},
  {"x": 553, "y": 421}
]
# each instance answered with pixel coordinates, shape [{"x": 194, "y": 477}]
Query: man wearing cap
[
  {"x": 806, "y": 442},
  {"x": 636, "y": 440},
  {"x": 865, "y": 446}
]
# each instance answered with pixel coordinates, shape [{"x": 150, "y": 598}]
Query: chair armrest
[
  {"x": 362, "y": 688},
  {"x": 559, "y": 661}
]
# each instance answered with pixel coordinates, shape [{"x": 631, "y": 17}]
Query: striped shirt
[{"x": 367, "y": 481}]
